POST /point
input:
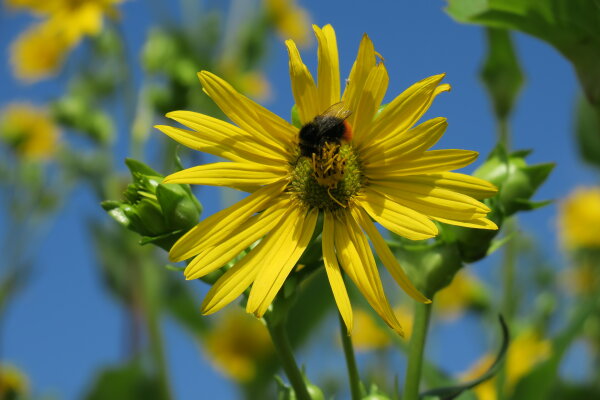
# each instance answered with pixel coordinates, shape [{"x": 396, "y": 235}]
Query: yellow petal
[
  {"x": 211, "y": 142},
  {"x": 365, "y": 61},
  {"x": 406, "y": 109},
  {"x": 479, "y": 223},
  {"x": 405, "y": 145},
  {"x": 263, "y": 125},
  {"x": 303, "y": 86},
  {"x": 219, "y": 226},
  {"x": 396, "y": 217},
  {"x": 249, "y": 232},
  {"x": 292, "y": 240},
  {"x": 336, "y": 281},
  {"x": 429, "y": 162},
  {"x": 354, "y": 251},
  {"x": 232, "y": 284},
  {"x": 387, "y": 258},
  {"x": 328, "y": 85},
  {"x": 461, "y": 183},
  {"x": 369, "y": 102},
  {"x": 231, "y": 174},
  {"x": 227, "y": 133},
  {"x": 433, "y": 201}
]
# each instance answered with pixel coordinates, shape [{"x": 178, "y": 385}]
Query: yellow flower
[
  {"x": 464, "y": 291},
  {"x": 583, "y": 278},
  {"x": 39, "y": 52},
  {"x": 526, "y": 351},
  {"x": 13, "y": 383},
  {"x": 383, "y": 172},
  {"x": 29, "y": 130},
  {"x": 368, "y": 335},
  {"x": 290, "y": 20},
  {"x": 237, "y": 344},
  {"x": 579, "y": 218}
]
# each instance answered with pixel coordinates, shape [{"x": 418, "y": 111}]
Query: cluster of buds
[{"x": 159, "y": 212}]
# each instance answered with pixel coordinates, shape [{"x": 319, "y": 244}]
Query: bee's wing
[{"x": 338, "y": 110}]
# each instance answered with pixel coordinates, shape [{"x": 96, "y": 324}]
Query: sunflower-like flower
[
  {"x": 378, "y": 168},
  {"x": 579, "y": 219},
  {"x": 40, "y": 51},
  {"x": 29, "y": 131}
]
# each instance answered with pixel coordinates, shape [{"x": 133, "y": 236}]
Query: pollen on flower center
[{"x": 328, "y": 180}]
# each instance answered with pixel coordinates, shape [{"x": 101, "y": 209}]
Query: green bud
[
  {"x": 184, "y": 71},
  {"x": 74, "y": 111},
  {"x": 108, "y": 42},
  {"x": 474, "y": 244},
  {"x": 180, "y": 208},
  {"x": 161, "y": 213},
  {"x": 433, "y": 266},
  {"x": 375, "y": 394},
  {"x": 517, "y": 181},
  {"x": 100, "y": 128},
  {"x": 286, "y": 392},
  {"x": 159, "y": 51}
]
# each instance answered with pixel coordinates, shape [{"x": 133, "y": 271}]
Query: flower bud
[
  {"x": 161, "y": 213},
  {"x": 474, "y": 244},
  {"x": 433, "y": 266},
  {"x": 517, "y": 181},
  {"x": 286, "y": 392}
]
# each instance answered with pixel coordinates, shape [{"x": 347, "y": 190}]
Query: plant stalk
[
  {"x": 288, "y": 362},
  {"x": 416, "y": 351},
  {"x": 353, "y": 376},
  {"x": 158, "y": 353}
]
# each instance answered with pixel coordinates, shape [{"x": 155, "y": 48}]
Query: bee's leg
[{"x": 333, "y": 198}]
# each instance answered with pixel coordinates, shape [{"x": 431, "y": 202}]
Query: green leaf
[
  {"x": 138, "y": 167},
  {"x": 124, "y": 382},
  {"x": 527, "y": 205},
  {"x": 498, "y": 243},
  {"x": 538, "y": 173},
  {"x": 501, "y": 72},
  {"x": 451, "y": 392},
  {"x": 572, "y": 27},
  {"x": 587, "y": 131}
]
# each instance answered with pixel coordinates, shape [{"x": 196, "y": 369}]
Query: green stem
[
  {"x": 509, "y": 272},
  {"x": 416, "y": 351},
  {"x": 504, "y": 133},
  {"x": 288, "y": 362},
  {"x": 353, "y": 376},
  {"x": 158, "y": 354},
  {"x": 509, "y": 299}
]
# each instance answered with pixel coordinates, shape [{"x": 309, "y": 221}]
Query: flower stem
[
  {"x": 158, "y": 354},
  {"x": 509, "y": 299},
  {"x": 353, "y": 376},
  {"x": 288, "y": 362},
  {"x": 416, "y": 351}
]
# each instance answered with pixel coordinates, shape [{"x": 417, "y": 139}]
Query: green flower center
[{"x": 328, "y": 180}]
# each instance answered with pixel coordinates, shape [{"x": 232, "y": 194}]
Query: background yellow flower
[
  {"x": 29, "y": 130},
  {"x": 237, "y": 344},
  {"x": 526, "y": 351},
  {"x": 39, "y": 52},
  {"x": 579, "y": 218}
]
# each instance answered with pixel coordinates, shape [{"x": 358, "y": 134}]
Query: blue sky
[{"x": 64, "y": 325}]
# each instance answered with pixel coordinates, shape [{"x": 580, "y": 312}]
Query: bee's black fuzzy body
[{"x": 323, "y": 129}]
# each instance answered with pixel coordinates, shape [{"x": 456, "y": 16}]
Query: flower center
[{"x": 329, "y": 179}]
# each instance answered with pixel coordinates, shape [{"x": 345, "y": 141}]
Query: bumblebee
[{"x": 329, "y": 127}]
